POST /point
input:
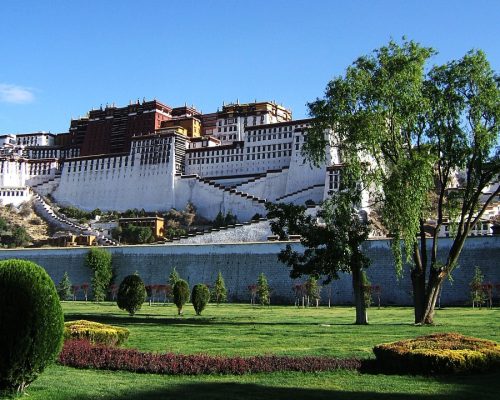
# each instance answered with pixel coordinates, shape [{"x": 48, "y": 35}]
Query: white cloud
[{"x": 15, "y": 94}]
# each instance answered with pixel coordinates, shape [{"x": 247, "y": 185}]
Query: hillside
[{"x": 24, "y": 216}]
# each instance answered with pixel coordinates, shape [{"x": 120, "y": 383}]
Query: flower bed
[
  {"x": 82, "y": 354},
  {"x": 438, "y": 353},
  {"x": 95, "y": 332}
]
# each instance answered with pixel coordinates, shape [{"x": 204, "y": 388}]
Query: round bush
[
  {"x": 131, "y": 294},
  {"x": 200, "y": 297},
  {"x": 181, "y": 294},
  {"x": 438, "y": 353},
  {"x": 31, "y": 323}
]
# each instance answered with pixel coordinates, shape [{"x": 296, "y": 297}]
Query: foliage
[
  {"x": 95, "y": 332},
  {"x": 368, "y": 289},
  {"x": 219, "y": 292},
  {"x": 223, "y": 220},
  {"x": 256, "y": 217},
  {"x": 131, "y": 294},
  {"x": 181, "y": 294},
  {"x": 230, "y": 219},
  {"x": 313, "y": 290},
  {"x": 173, "y": 277},
  {"x": 31, "y": 323},
  {"x": 76, "y": 213},
  {"x": 99, "y": 261},
  {"x": 476, "y": 288},
  {"x": 263, "y": 290},
  {"x": 332, "y": 246},
  {"x": 82, "y": 354},
  {"x": 185, "y": 218},
  {"x": 219, "y": 220},
  {"x": 134, "y": 234},
  {"x": 64, "y": 288},
  {"x": 13, "y": 236},
  {"x": 438, "y": 354},
  {"x": 116, "y": 233},
  {"x": 417, "y": 133},
  {"x": 200, "y": 297}
]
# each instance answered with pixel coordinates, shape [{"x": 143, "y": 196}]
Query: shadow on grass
[
  {"x": 458, "y": 387},
  {"x": 192, "y": 320},
  {"x": 209, "y": 391}
]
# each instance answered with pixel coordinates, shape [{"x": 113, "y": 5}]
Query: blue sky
[{"x": 58, "y": 59}]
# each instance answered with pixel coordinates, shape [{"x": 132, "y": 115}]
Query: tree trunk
[
  {"x": 418, "y": 283},
  {"x": 359, "y": 297},
  {"x": 436, "y": 279}
]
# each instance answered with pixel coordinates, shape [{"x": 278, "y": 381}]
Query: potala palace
[{"x": 152, "y": 156}]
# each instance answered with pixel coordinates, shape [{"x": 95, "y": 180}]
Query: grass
[
  {"x": 233, "y": 329},
  {"x": 246, "y": 330}
]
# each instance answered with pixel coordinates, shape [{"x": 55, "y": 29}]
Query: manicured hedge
[
  {"x": 95, "y": 332},
  {"x": 82, "y": 354},
  {"x": 31, "y": 323},
  {"x": 438, "y": 353}
]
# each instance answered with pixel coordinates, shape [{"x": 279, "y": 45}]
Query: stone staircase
[
  {"x": 230, "y": 190},
  {"x": 287, "y": 196},
  {"x": 62, "y": 222},
  {"x": 259, "y": 177},
  {"x": 251, "y": 231},
  {"x": 47, "y": 187}
]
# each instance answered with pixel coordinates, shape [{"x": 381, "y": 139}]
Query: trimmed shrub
[
  {"x": 64, "y": 288},
  {"x": 99, "y": 261},
  {"x": 31, "y": 323},
  {"x": 219, "y": 292},
  {"x": 181, "y": 294},
  {"x": 173, "y": 277},
  {"x": 131, "y": 294},
  {"x": 94, "y": 332},
  {"x": 200, "y": 297},
  {"x": 82, "y": 354},
  {"x": 438, "y": 353},
  {"x": 263, "y": 290}
]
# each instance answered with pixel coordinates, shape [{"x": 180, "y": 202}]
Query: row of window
[
  {"x": 274, "y": 154},
  {"x": 13, "y": 193},
  {"x": 103, "y": 161},
  {"x": 257, "y": 149},
  {"x": 151, "y": 142},
  {"x": 257, "y": 132},
  {"x": 211, "y": 153},
  {"x": 269, "y": 137},
  {"x": 44, "y": 153}
]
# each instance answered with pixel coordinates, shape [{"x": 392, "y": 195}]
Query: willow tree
[{"x": 417, "y": 134}]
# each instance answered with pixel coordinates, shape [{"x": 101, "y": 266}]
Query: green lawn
[{"x": 246, "y": 330}]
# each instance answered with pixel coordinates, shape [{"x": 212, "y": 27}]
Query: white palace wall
[{"x": 119, "y": 187}]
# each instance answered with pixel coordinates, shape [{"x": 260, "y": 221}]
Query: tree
[
  {"x": 331, "y": 247},
  {"x": 219, "y": 220},
  {"x": 313, "y": 290},
  {"x": 99, "y": 261},
  {"x": 219, "y": 292},
  {"x": 131, "y": 294},
  {"x": 173, "y": 277},
  {"x": 263, "y": 290},
  {"x": 134, "y": 234},
  {"x": 476, "y": 288},
  {"x": 200, "y": 297},
  {"x": 416, "y": 133},
  {"x": 64, "y": 288},
  {"x": 181, "y": 294}
]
